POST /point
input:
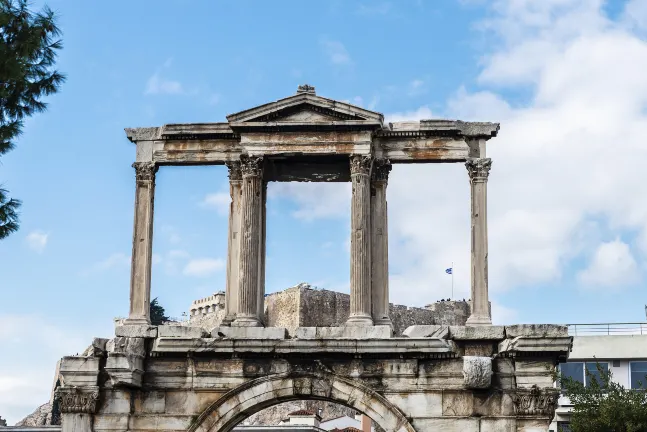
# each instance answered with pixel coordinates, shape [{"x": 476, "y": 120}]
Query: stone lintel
[
  {"x": 80, "y": 371},
  {"x": 346, "y": 332},
  {"x": 261, "y": 333},
  {"x": 536, "y": 330},
  {"x": 560, "y": 346},
  {"x": 136, "y": 330},
  {"x": 387, "y": 347},
  {"x": 181, "y": 331},
  {"x": 477, "y": 332},
  {"x": 143, "y": 133},
  {"x": 426, "y": 331}
]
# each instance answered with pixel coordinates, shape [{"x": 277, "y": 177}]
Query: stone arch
[{"x": 249, "y": 398}]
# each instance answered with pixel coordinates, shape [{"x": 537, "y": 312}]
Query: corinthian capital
[
  {"x": 145, "y": 170},
  {"x": 535, "y": 401},
  {"x": 360, "y": 164},
  {"x": 251, "y": 165},
  {"x": 235, "y": 172},
  {"x": 381, "y": 170},
  {"x": 77, "y": 400},
  {"x": 478, "y": 169}
]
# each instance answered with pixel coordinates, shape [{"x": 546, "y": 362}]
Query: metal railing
[{"x": 599, "y": 329}]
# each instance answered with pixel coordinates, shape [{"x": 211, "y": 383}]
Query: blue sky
[{"x": 568, "y": 218}]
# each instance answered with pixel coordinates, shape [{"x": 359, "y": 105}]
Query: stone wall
[{"x": 305, "y": 306}]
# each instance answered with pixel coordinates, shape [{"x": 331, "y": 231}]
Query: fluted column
[
  {"x": 479, "y": 170},
  {"x": 249, "y": 267},
  {"x": 380, "y": 244},
  {"x": 142, "y": 254},
  {"x": 360, "y": 242},
  {"x": 233, "y": 242},
  {"x": 261, "y": 254}
]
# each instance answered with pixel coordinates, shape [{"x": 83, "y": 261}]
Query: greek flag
[{"x": 448, "y": 271}]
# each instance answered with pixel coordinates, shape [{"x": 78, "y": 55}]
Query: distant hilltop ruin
[{"x": 306, "y": 306}]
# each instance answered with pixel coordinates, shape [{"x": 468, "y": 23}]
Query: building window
[
  {"x": 575, "y": 371},
  {"x": 563, "y": 427},
  {"x": 638, "y": 374}
]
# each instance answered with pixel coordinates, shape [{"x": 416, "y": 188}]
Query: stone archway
[{"x": 255, "y": 395}]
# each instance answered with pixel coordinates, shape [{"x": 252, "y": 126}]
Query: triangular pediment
[{"x": 306, "y": 108}]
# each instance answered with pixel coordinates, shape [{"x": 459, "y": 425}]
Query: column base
[
  {"x": 363, "y": 320},
  {"x": 227, "y": 320},
  {"x": 246, "y": 321},
  {"x": 383, "y": 322},
  {"x": 478, "y": 320},
  {"x": 136, "y": 321}
]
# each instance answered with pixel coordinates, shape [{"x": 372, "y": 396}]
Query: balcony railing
[{"x": 599, "y": 329}]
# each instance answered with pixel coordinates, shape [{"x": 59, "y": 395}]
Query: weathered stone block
[
  {"x": 423, "y": 331},
  {"x": 127, "y": 345},
  {"x": 498, "y": 425},
  {"x": 450, "y": 424},
  {"x": 181, "y": 331},
  {"x": 80, "y": 371},
  {"x": 557, "y": 345},
  {"x": 457, "y": 403},
  {"x": 136, "y": 331},
  {"x": 479, "y": 349},
  {"x": 369, "y": 332},
  {"x": 270, "y": 333},
  {"x": 477, "y": 372},
  {"x": 125, "y": 370},
  {"x": 418, "y": 404},
  {"x": 536, "y": 330},
  {"x": 477, "y": 332}
]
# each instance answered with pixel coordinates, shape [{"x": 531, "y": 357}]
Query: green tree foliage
[
  {"x": 605, "y": 406},
  {"x": 29, "y": 42},
  {"x": 157, "y": 312},
  {"x": 8, "y": 214}
]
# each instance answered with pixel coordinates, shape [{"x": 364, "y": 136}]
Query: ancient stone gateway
[{"x": 470, "y": 378}]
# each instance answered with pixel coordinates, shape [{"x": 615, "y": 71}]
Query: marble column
[
  {"x": 479, "y": 170},
  {"x": 261, "y": 255},
  {"x": 233, "y": 242},
  {"x": 380, "y": 244},
  {"x": 360, "y": 242},
  {"x": 142, "y": 254},
  {"x": 249, "y": 267}
]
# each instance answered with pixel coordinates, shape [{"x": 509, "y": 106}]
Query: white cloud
[
  {"x": 157, "y": 85},
  {"x": 416, "y": 87},
  {"x": 421, "y": 113},
  {"x": 374, "y": 8},
  {"x": 611, "y": 266},
  {"x": 37, "y": 241},
  {"x": 26, "y": 377},
  {"x": 636, "y": 13},
  {"x": 201, "y": 267},
  {"x": 336, "y": 51},
  {"x": 220, "y": 201},
  {"x": 117, "y": 260},
  {"x": 316, "y": 200},
  {"x": 565, "y": 162}
]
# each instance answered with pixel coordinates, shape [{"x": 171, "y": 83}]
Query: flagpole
[{"x": 452, "y": 280}]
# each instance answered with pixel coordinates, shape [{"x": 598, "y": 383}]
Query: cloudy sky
[{"x": 567, "y": 206}]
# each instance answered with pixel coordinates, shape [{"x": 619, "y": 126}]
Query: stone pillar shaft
[
  {"x": 233, "y": 243},
  {"x": 250, "y": 244},
  {"x": 142, "y": 254},
  {"x": 479, "y": 170},
  {"x": 261, "y": 253},
  {"x": 360, "y": 246},
  {"x": 380, "y": 244}
]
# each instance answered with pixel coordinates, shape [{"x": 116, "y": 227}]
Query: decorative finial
[{"x": 305, "y": 88}]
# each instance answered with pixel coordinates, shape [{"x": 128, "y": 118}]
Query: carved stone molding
[
  {"x": 305, "y": 88},
  {"x": 360, "y": 165},
  {"x": 478, "y": 169},
  {"x": 381, "y": 170},
  {"x": 77, "y": 400},
  {"x": 477, "y": 372},
  {"x": 145, "y": 171},
  {"x": 235, "y": 171},
  {"x": 251, "y": 166},
  {"x": 535, "y": 401}
]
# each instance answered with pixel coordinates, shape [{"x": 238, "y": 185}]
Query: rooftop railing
[{"x": 600, "y": 329}]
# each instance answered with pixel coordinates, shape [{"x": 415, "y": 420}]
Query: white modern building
[{"x": 620, "y": 348}]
